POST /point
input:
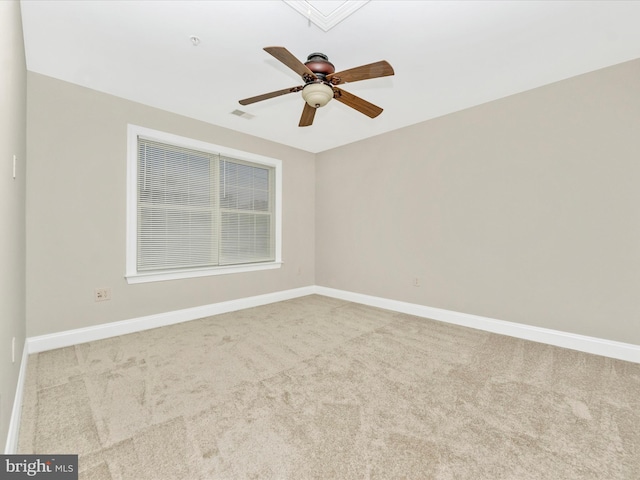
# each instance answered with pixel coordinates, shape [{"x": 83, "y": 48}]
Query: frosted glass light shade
[{"x": 317, "y": 94}]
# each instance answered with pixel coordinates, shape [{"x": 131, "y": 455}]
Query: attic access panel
[{"x": 326, "y": 14}]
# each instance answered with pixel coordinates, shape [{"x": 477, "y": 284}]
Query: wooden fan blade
[
  {"x": 286, "y": 57},
  {"x": 266, "y": 96},
  {"x": 361, "y": 105},
  {"x": 364, "y": 72},
  {"x": 307, "y": 115}
]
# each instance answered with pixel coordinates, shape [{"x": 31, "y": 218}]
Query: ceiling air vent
[{"x": 242, "y": 114}]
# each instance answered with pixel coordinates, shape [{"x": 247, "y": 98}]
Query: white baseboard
[
  {"x": 598, "y": 346},
  {"x": 114, "y": 329},
  {"x": 583, "y": 343},
  {"x": 16, "y": 412}
]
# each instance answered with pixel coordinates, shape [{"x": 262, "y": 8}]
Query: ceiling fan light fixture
[{"x": 317, "y": 94}]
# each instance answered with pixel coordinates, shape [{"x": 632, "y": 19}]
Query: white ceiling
[{"x": 447, "y": 55}]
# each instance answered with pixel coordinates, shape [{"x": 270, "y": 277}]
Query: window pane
[
  {"x": 174, "y": 177},
  {"x": 174, "y": 238},
  {"x": 176, "y": 213},
  {"x": 244, "y": 187},
  {"x": 246, "y": 238}
]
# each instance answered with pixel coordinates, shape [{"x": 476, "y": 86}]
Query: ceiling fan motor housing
[{"x": 319, "y": 64}]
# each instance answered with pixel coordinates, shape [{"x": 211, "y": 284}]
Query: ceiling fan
[{"x": 320, "y": 80}]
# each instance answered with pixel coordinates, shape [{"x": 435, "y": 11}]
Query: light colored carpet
[{"x": 319, "y": 388}]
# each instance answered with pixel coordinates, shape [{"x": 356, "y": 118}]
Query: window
[{"x": 198, "y": 209}]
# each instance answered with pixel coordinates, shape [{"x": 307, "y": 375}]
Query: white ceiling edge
[
  {"x": 448, "y": 56},
  {"x": 318, "y": 18}
]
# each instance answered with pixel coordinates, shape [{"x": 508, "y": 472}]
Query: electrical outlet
[
  {"x": 416, "y": 282},
  {"x": 102, "y": 294}
]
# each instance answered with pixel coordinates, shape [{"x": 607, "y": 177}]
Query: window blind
[{"x": 199, "y": 209}]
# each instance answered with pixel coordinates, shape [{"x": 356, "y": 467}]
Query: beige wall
[
  {"x": 12, "y": 204},
  {"x": 76, "y": 205},
  {"x": 525, "y": 209}
]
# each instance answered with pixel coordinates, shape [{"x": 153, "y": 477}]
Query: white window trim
[{"x": 132, "y": 275}]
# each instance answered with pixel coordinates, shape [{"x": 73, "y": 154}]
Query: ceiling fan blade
[
  {"x": 266, "y": 96},
  {"x": 307, "y": 115},
  {"x": 361, "y": 105},
  {"x": 286, "y": 57},
  {"x": 364, "y": 72}
]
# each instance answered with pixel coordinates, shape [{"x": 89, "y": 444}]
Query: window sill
[{"x": 205, "y": 272}]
